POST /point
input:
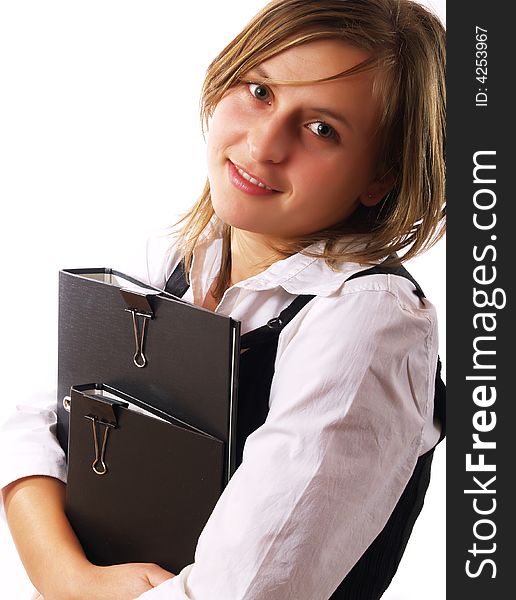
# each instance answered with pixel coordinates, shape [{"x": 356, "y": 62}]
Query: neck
[{"x": 251, "y": 254}]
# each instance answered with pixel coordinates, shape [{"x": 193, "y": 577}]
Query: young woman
[{"x": 325, "y": 128}]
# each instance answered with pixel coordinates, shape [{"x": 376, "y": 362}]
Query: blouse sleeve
[
  {"x": 352, "y": 389},
  {"x": 27, "y": 438}
]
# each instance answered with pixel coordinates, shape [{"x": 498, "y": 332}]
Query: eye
[
  {"x": 323, "y": 130},
  {"x": 260, "y": 91}
]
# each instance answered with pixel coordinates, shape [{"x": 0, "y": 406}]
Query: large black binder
[{"x": 191, "y": 369}]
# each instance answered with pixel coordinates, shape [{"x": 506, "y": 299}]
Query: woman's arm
[
  {"x": 52, "y": 555},
  {"x": 350, "y": 398},
  {"x": 48, "y": 548}
]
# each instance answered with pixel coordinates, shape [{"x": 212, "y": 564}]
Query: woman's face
[{"x": 286, "y": 161}]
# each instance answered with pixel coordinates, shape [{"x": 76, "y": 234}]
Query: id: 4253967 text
[{"x": 481, "y": 66}]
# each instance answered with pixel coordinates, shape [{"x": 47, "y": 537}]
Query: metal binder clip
[
  {"x": 138, "y": 305},
  {"x": 99, "y": 465},
  {"x": 139, "y": 337}
]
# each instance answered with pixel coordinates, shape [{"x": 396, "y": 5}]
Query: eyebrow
[
  {"x": 261, "y": 71},
  {"x": 324, "y": 111},
  {"x": 338, "y": 117}
]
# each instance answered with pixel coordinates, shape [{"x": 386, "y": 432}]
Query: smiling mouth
[
  {"x": 246, "y": 175},
  {"x": 247, "y": 182}
]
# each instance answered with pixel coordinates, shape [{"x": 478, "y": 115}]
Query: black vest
[{"x": 373, "y": 572}]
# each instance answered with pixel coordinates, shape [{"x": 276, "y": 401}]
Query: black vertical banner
[{"x": 481, "y": 401}]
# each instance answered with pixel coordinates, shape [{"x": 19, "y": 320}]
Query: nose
[{"x": 268, "y": 139}]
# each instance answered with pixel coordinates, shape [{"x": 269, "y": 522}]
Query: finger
[{"x": 156, "y": 575}]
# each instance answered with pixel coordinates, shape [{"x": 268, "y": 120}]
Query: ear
[{"x": 378, "y": 189}]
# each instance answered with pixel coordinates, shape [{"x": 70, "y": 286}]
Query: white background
[{"x": 100, "y": 146}]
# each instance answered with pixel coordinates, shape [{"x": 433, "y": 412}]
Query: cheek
[
  {"x": 226, "y": 125},
  {"x": 345, "y": 176},
  {"x": 318, "y": 179}
]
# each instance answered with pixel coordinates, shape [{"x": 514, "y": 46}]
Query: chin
[
  {"x": 234, "y": 212},
  {"x": 237, "y": 219}
]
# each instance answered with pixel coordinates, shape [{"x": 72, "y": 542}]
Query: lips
[{"x": 248, "y": 182}]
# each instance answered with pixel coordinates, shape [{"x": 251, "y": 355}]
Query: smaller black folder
[{"x": 141, "y": 484}]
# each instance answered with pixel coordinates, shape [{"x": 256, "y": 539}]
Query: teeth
[{"x": 253, "y": 180}]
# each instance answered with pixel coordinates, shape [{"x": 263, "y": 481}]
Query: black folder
[
  {"x": 191, "y": 354},
  {"x": 141, "y": 484}
]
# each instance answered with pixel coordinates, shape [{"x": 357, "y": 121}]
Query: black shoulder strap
[
  {"x": 385, "y": 269},
  {"x": 177, "y": 283}
]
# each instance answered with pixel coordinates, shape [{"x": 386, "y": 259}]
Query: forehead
[{"x": 314, "y": 60}]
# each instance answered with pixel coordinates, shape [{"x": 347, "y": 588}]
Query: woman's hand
[{"x": 118, "y": 582}]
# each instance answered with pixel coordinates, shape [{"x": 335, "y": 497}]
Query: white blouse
[{"x": 351, "y": 410}]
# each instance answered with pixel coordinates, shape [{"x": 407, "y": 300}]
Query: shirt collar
[
  {"x": 296, "y": 274},
  {"x": 302, "y": 274}
]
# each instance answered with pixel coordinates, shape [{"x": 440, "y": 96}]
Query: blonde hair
[{"x": 406, "y": 43}]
